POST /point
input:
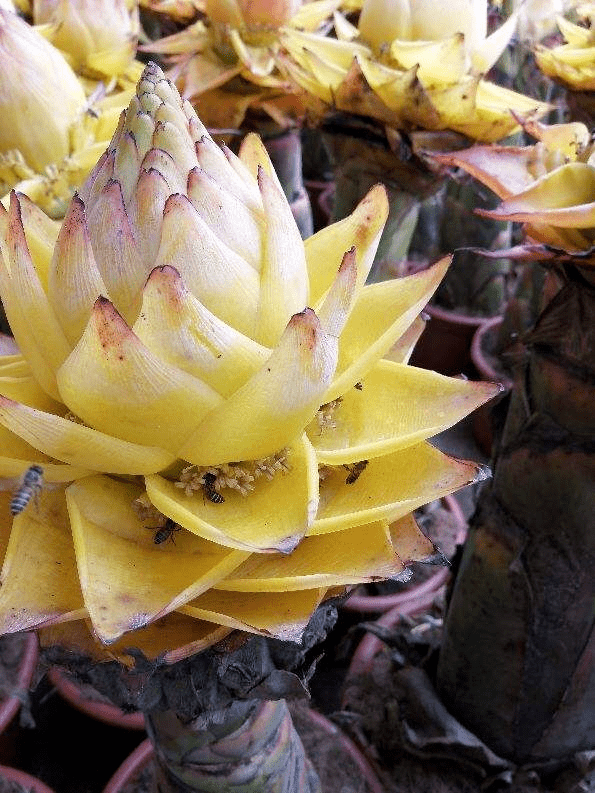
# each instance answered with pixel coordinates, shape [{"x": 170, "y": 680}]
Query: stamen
[
  {"x": 240, "y": 476},
  {"x": 145, "y": 511},
  {"x": 325, "y": 418}
]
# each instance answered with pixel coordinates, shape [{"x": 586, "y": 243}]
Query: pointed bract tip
[
  {"x": 348, "y": 259},
  {"x": 287, "y": 545},
  {"x": 152, "y": 70},
  {"x": 76, "y": 212},
  {"x": 163, "y": 271},
  {"x": 176, "y": 202},
  {"x": 103, "y": 304},
  {"x": 305, "y": 318},
  {"x": 15, "y": 220},
  {"x": 307, "y": 327}
]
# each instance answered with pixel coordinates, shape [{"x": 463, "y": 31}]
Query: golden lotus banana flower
[
  {"x": 98, "y": 38},
  {"x": 230, "y": 58},
  {"x": 550, "y": 186},
  {"x": 51, "y": 133},
  {"x": 572, "y": 63},
  {"x": 411, "y": 64},
  {"x": 222, "y": 443}
]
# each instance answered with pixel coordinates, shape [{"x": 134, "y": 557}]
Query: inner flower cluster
[{"x": 240, "y": 476}]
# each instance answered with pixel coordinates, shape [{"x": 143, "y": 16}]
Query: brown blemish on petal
[
  {"x": 374, "y": 205},
  {"x": 176, "y": 203},
  {"x": 308, "y": 326},
  {"x": 112, "y": 330},
  {"x": 167, "y": 281},
  {"x": 348, "y": 260},
  {"x": 16, "y": 233}
]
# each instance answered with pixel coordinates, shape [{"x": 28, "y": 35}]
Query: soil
[
  {"x": 337, "y": 771},
  {"x": 373, "y": 710}
]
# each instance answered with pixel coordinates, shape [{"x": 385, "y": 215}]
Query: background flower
[
  {"x": 550, "y": 186},
  {"x": 52, "y": 126},
  {"x": 410, "y": 64}
]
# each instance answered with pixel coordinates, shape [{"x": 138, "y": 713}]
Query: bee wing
[
  {"x": 10, "y": 482},
  {"x": 15, "y": 482}
]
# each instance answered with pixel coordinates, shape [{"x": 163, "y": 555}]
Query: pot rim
[
  {"x": 24, "y": 779},
  {"x": 134, "y": 763},
  {"x": 102, "y": 711}
]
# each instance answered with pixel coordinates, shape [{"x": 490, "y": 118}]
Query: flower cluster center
[{"x": 240, "y": 476}]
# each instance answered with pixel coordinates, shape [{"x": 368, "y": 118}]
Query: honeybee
[
  {"x": 355, "y": 470},
  {"x": 165, "y": 532},
  {"x": 208, "y": 488},
  {"x": 29, "y": 488}
]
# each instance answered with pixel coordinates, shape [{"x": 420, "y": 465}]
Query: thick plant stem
[
  {"x": 517, "y": 662},
  {"x": 358, "y": 166},
  {"x": 285, "y": 151},
  {"x": 250, "y": 747}
]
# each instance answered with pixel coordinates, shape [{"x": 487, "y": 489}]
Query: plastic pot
[{"x": 445, "y": 344}]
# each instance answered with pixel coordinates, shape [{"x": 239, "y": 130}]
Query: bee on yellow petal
[
  {"x": 165, "y": 532},
  {"x": 355, "y": 471},
  {"x": 209, "y": 489},
  {"x": 30, "y": 488}
]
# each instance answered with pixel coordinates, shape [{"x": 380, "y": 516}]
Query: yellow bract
[
  {"x": 549, "y": 186},
  {"x": 180, "y": 350},
  {"x": 573, "y": 62}
]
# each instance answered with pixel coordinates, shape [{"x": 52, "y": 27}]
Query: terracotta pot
[
  {"x": 130, "y": 768},
  {"x": 75, "y": 695},
  {"x": 27, "y": 782},
  {"x": 133, "y": 766},
  {"x": 28, "y": 662},
  {"x": 417, "y": 596},
  {"x": 445, "y": 344},
  {"x": 486, "y": 363}
]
